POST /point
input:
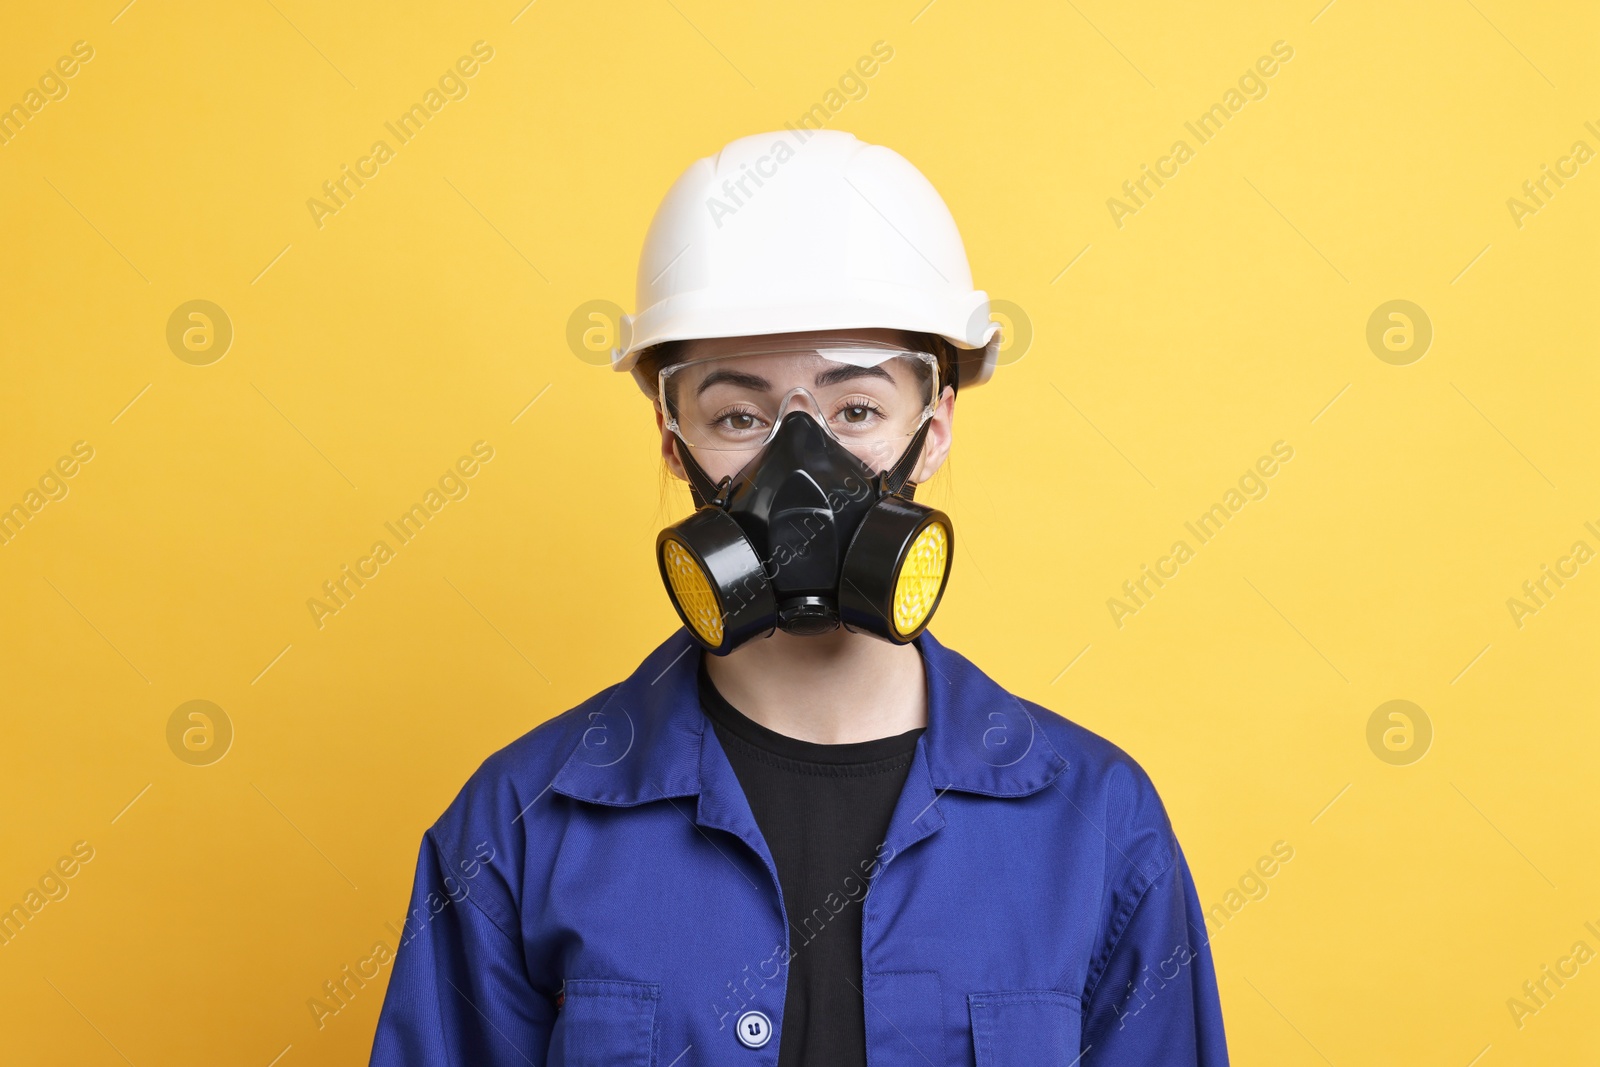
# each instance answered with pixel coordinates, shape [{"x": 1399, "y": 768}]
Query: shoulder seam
[
  {"x": 1119, "y": 926},
  {"x": 492, "y": 920},
  {"x": 469, "y": 898}
]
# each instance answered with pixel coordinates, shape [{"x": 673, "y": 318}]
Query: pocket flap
[
  {"x": 605, "y": 1022},
  {"x": 1025, "y": 1028}
]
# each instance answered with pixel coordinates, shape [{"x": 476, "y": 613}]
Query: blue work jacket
[{"x": 599, "y": 893}]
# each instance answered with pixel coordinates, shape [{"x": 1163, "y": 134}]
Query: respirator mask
[{"x": 816, "y": 528}]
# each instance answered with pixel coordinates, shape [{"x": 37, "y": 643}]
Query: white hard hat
[{"x": 804, "y": 230}]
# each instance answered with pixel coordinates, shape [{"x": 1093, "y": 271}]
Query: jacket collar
[{"x": 649, "y": 739}]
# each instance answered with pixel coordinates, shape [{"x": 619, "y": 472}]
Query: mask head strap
[
  {"x": 897, "y": 479},
  {"x": 701, "y": 488}
]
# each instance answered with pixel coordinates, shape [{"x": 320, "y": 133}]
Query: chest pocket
[
  {"x": 1027, "y": 1028},
  {"x": 605, "y": 1023}
]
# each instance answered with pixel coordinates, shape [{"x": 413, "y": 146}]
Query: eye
[
  {"x": 858, "y": 412},
  {"x": 737, "y": 420}
]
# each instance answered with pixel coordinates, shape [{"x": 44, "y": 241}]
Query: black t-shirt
[{"x": 824, "y": 811}]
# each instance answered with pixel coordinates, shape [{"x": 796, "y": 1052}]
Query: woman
[{"x": 803, "y": 832}]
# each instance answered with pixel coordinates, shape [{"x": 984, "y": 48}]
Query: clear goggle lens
[{"x": 870, "y": 397}]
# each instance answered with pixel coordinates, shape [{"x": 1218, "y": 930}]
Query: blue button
[{"x": 754, "y": 1029}]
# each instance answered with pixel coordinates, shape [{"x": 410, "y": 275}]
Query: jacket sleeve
[
  {"x": 460, "y": 992},
  {"x": 1154, "y": 1002}
]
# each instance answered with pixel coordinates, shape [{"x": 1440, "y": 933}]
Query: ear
[
  {"x": 936, "y": 446},
  {"x": 669, "y": 443}
]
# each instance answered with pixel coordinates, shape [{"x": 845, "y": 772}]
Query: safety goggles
[{"x": 871, "y": 397}]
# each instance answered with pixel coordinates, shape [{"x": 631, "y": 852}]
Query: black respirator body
[{"x": 806, "y": 538}]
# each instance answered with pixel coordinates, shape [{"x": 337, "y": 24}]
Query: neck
[{"x": 832, "y": 689}]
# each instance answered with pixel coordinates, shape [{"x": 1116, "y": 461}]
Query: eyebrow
[
  {"x": 846, "y": 372},
  {"x": 831, "y": 376},
  {"x": 732, "y": 377}
]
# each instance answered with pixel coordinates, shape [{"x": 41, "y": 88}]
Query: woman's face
[{"x": 725, "y": 409}]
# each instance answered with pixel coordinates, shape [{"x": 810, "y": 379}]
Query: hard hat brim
[{"x": 967, "y": 325}]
